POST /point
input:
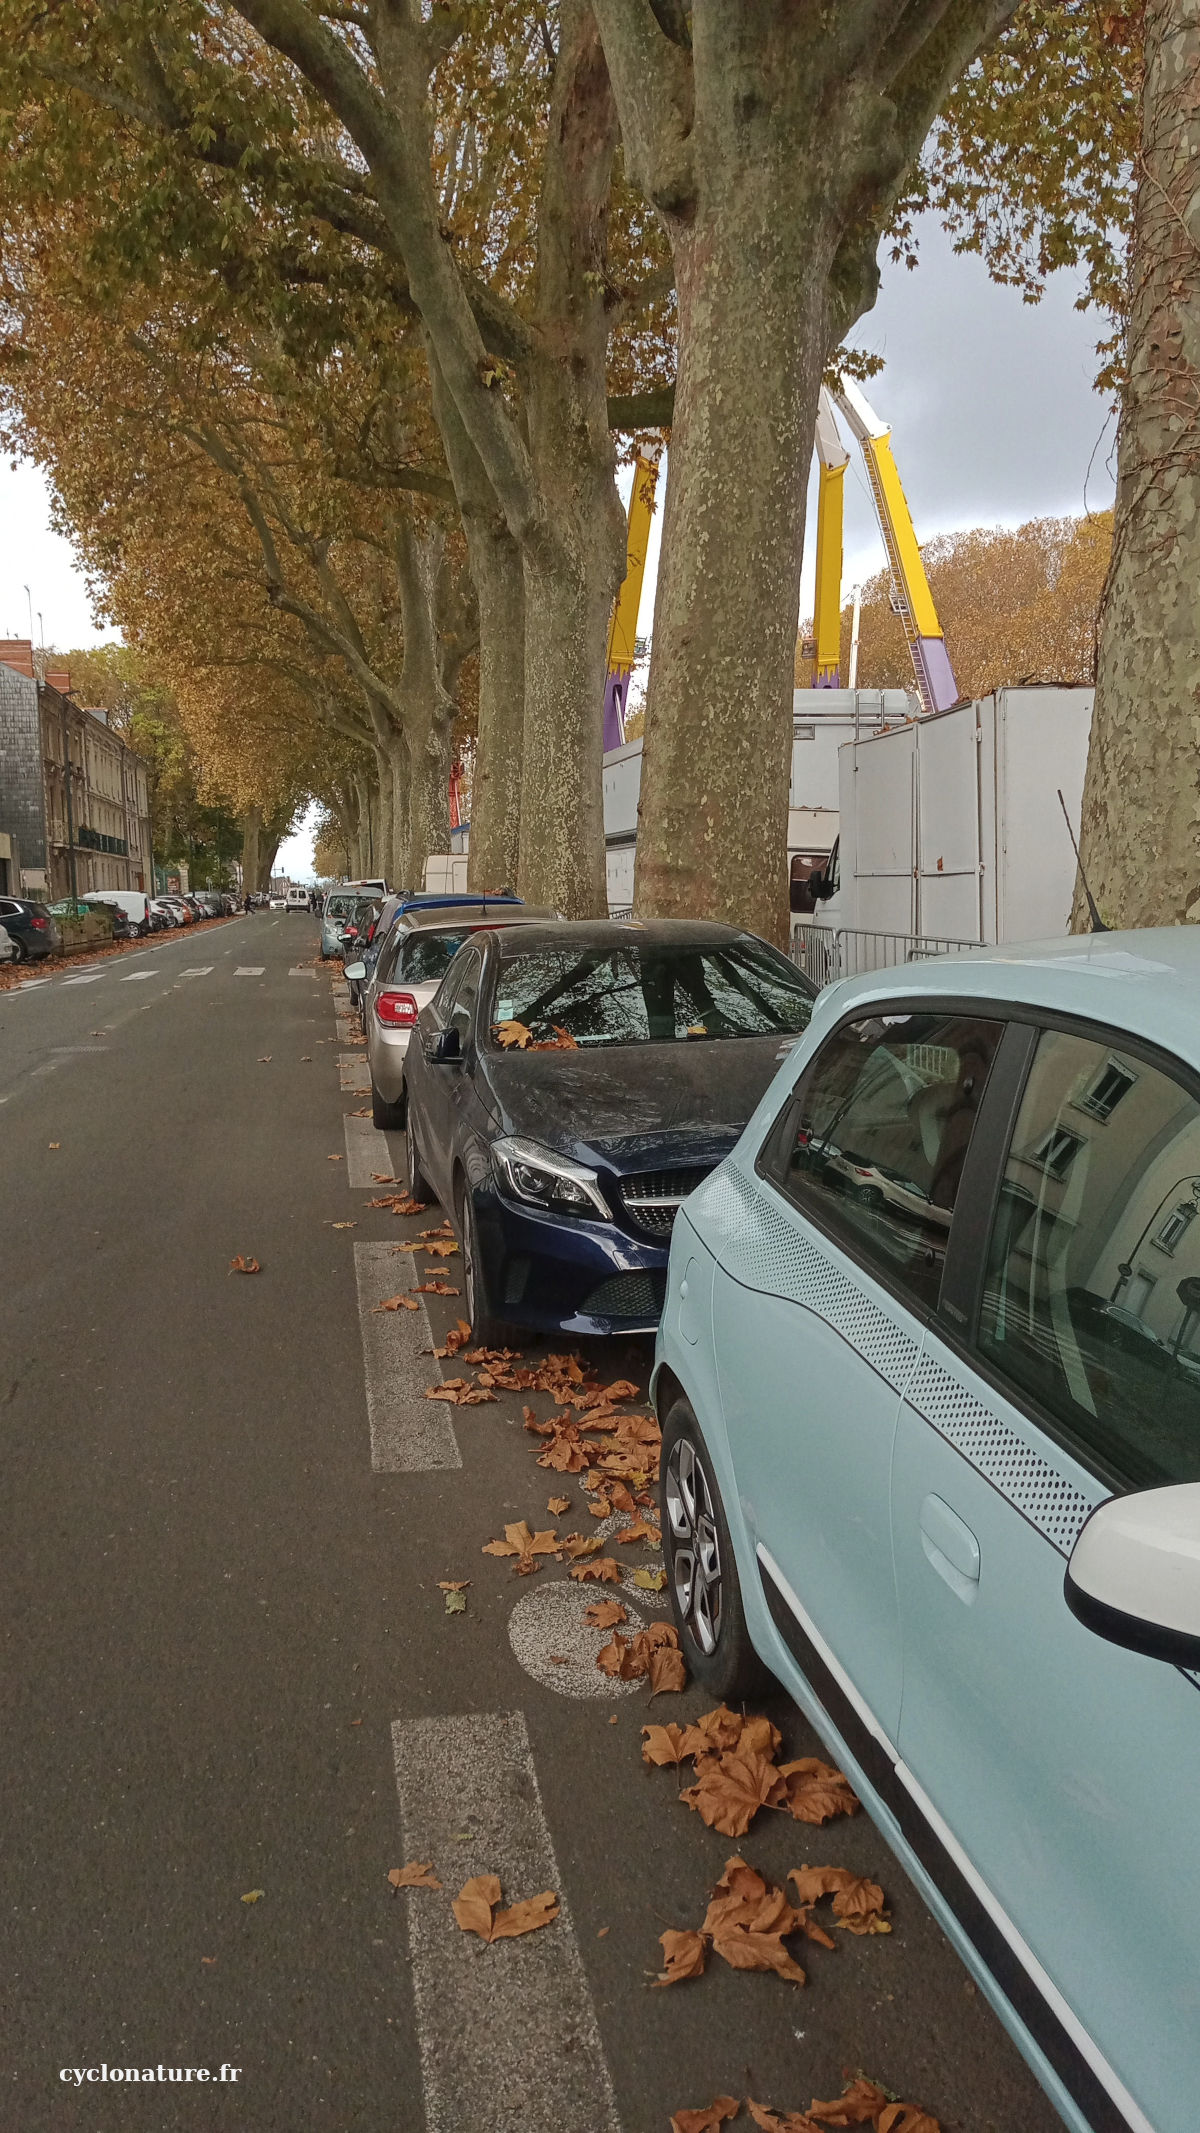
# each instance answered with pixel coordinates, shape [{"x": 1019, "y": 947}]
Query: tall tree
[
  {"x": 1141, "y": 804},
  {"x": 775, "y": 140}
]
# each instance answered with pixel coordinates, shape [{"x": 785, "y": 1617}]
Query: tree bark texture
[
  {"x": 251, "y": 839},
  {"x": 1140, "y": 840}
]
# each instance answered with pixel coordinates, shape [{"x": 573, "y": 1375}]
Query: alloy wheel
[{"x": 695, "y": 1547}]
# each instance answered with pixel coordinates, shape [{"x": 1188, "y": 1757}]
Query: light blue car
[{"x": 929, "y": 1379}]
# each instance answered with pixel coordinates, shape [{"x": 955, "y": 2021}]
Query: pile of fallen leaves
[
  {"x": 477, "y": 1906},
  {"x": 861, "y": 2103},
  {"x": 736, "y": 1772},
  {"x": 748, "y": 1920}
]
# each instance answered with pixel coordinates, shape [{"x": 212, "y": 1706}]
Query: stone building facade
[{"x": 42, "y": 730}]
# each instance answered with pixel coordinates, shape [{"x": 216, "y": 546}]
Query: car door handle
[{"x": 950, "y": 1547}]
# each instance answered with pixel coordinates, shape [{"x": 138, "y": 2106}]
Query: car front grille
[
  {"x": 636, "y": 1296},
  {"x": 652, "y": 1198}
]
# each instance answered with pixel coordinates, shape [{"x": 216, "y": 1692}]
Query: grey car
[{"x": 415, "y": 958}]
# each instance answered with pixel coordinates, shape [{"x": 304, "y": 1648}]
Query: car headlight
[{"x": 543, "y": 1179}]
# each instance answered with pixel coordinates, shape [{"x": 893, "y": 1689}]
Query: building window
[
  {"x": 1176, "y": 1227},
  {"x": 1056, "y": 1151},
  {"x": 1104, "y": 1091}
]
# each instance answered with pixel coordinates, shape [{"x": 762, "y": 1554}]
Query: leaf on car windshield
[
  {"x": 512, "y": 1036},
  {"x": 561, "y": 1041}
]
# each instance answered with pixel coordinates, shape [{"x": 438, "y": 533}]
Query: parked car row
[
  {"x": 923, "y": 1256},
  {"x": 33, "y": 929}
]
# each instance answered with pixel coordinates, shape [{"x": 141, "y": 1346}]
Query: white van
[
  {"x": 297, "y": 899},
  {"x": 133, "y": 902}
]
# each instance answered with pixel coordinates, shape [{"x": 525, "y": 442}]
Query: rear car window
[
  {"x": 651, "y": 992},
  {"x": 1091, "y": 1298},
  {"x": 876, "y": 1135},
  {"x": 424, "y": 958}
]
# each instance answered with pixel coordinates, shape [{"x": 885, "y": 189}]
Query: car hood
[{"x": 635, "y": 1107}]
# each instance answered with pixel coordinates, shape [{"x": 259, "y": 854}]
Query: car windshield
[
  {"x": 424, "y": 958},
  {"x": 647, "y": 992},
  {"x": 340, "y": 906}
]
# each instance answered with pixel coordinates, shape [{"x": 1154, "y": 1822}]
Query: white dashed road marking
[
  {"x": 508, "y": 2033},
  {"x": 546, "y": 1628},
  {"x": 249, "y": 970},
  {"x": 28, "y": 984},
  {"x": 131, "y": 977},
  {"x": 409, "y": 1434},
  {"x": 301, "y": 971},
  {"x": 368, "y": 1154},
  {"x": 90, "y": 977},
  {"x": 355, "y": 1073},
  {"x": 202, "y": 970}
]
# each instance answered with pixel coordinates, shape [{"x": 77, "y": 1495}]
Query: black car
[
  {"x": 32, "y": 929},
  {"x": 569, "y": 1086}
]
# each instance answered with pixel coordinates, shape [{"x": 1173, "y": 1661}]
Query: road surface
[{"x": 229, "y": 1670}]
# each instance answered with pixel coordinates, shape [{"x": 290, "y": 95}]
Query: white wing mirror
[
  {"x": 354, "y": 970},
  {"x": 1134, "y": 1573}
]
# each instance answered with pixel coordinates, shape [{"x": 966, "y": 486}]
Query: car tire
[
  {"x": 702, "y": 1578},
  {"x": 389, "y": 1118},
  {"x": 418, "y": 1184},
  {"x": 486, "y": 1331}
]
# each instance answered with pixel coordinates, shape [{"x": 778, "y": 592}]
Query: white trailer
[
  {"x": 951, "y": 830},
  {"x": 822, "y": 720}
]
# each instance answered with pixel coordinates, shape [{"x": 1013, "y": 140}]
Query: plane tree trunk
[
  {"x": 773, "y": 141},
  {"x": 1140, "y": 837}
]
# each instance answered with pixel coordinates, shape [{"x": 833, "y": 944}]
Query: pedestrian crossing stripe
[
  {"x": 202, "y": 970},
  {"x": 249, "y": 970}
]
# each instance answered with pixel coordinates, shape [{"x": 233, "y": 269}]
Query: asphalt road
[{"x": 228, "y": 1667}]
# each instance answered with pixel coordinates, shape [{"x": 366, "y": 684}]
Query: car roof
[
  {"x": 610, "y": 932},
  {"x": 1145, "y": 982},
  {"x": 478, "y": 915}
]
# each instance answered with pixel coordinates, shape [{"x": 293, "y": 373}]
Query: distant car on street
[
  {"x": 133, "y": 902},
  {"x": 297, "y": 899},
  {"x": 929, "y": 1382},
  {"x": 277, "y": 903},
  {"x": 416, "y": 954},
  {"x": 570, "y": 1085},
  {"x": 31, "y": 927}
]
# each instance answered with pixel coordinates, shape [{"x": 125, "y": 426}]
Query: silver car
[{"x": 415, "y": 958}]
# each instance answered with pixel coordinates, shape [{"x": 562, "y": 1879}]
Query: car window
[
  {"x": 458, "y": 1012},
  {"x": 877, "y": 1132},
  {"x": 424, "y": 958},
  {"x": 1091, "y": 1298},
  {"x": 634, "y": 992}
]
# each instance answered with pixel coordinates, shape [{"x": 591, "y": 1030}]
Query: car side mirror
[
  {"x": 442, "y": 1047},
  {"x": 354, "y": 970},
  {"x": 1134, "y": 1573}
]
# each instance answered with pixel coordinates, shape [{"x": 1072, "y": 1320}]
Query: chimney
[
  {"x": 59, "y": 678},
  {"x": 17, "y": 652}
]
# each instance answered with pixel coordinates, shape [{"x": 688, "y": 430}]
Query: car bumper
[
  {"x": 561, "y": 1275},
  {"x": 386, "y": 1053}
]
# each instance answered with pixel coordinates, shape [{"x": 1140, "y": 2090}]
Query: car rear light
[
  {"x": 396, "y": 1010},
  {"x": 38, "y": 924}
]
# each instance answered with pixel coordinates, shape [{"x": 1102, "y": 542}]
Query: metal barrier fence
[{"x": 828, "y": 952}]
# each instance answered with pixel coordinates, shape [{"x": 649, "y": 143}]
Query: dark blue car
[{"x": 569, "y": 1086}]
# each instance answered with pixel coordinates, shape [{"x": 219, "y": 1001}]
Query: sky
[{"x": 994, "y": 420}]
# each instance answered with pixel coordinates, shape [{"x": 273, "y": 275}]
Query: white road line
[
  {"x": 90, "y": 977},
  {"x": 202, "y": 970},
  {"x": 508, "y": 2034},
  {"x": 369, "y": 1151},
  {"x": 409, "y": 1434},
  {"x": 355, "y": 1074},
  {"x": 130, "y": 977},
  {"x": 28, "y": 984},
  {"x": 249, "y": 970},
  {"x": 301, "y": 971}
]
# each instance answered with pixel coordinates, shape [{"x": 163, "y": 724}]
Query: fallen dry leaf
[
  {"x": 667, "y": 1670},
  {"x": 707, "y": 2120},
  {"x": 335, "y": 1158},
  {"x": 575, "y": 1547},
  {"x": 684, "y": 1956},
  {"x": 244, "y": 1266},
  {"x": 209, "y": 1959},
  {"x": 781, "y": 2121},
  {"x": 264, "y": 1058},
  {"x": 664, "y": 1746},
  {"x": 254, "y": 1896},
  {"x": 398, "y": 1303},
  {"x": 860, "y": 2103},
  {"x": 440, "y": 1248},
  {"x": 639, "y": 1529},
  {"x": 54, "y": 1144},
  {"x": 729, "y": 1791},
  {"x": 605, "y": 1614},
  {"x": 906, "y": 2118},
  {"x": 453, "y": 1584},
  {"x": 475, "y": 1909},
  {"x": 455, "y": 1339},
  {"x": 815, "y": 1792},
  {"x": 343, "y": 1225},
  {"x": 558, "y": 1504},
  {"x": 383, "y": 1177},
  {"x": 526, "y": 1546},
  {"x": 434, "y": 1288},
  {"x": 602, "y": 1568},
  {"x": 650, "y": 1580},
  {"x": 418, "y": 1874},
  {"x": 599, "y": 1508}
]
